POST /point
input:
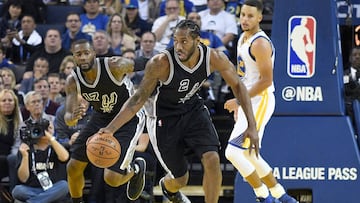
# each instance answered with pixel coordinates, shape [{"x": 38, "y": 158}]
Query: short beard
[{"x": 89, "y": 67}]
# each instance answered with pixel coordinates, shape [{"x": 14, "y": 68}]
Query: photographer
[{"x": 40, "y": 164}]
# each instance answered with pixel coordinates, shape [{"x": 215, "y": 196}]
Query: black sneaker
[
  {"x": 136, "y": 184},
  {"x": 177, "y": 197}
]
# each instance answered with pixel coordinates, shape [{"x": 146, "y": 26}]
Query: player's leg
[
  {"x": 203, "y": 140},
  {"x": 76, "y": 179},
  {"x": 126, "y": 170},
  {"x": 170, "y": 154},
  {"x": 212, "y": 178}
]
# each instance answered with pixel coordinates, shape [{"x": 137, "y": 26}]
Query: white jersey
[{"x": 246, "y": 66}]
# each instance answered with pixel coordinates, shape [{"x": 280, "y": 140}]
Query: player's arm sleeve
[{"x": 140, "y": 63}]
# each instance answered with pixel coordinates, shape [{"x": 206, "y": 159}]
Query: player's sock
[
  {"x": 277, "y": 191},
  {"x": 261, "y": 191}
]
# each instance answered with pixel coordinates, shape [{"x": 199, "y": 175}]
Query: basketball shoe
[
  {"x": 269, "y": 199},
  {"x": 137, "y": 183},
  {"x": 177, "y": 197},
  {"x": 287, "y": 199}
]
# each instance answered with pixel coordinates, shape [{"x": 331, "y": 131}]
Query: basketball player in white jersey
[{"x": 255, "y": 63}]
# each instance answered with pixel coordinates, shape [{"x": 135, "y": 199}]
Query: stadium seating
[{"x": 57, "y": 13}]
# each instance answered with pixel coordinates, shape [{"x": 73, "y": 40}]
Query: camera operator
[{"x": 40, "y": 164}]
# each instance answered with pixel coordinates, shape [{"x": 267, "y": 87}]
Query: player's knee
[
  {"x": 211, "y": 160},
  {"x": 74, "y": 168},
  {"x": 230, "y": 153}
]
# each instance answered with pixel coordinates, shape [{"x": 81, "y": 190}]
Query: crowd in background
[{"x": 34, "y": 65}]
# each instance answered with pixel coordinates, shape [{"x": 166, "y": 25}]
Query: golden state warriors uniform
[
  {"x": 181, "y": 122},
  {"x": 264, "y": 103},
  {"x": 107, "y": 96}
]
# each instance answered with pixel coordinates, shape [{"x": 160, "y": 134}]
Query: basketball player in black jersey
[
  {"x": 104, "y": 84},
  {"x": 180, "y": 120}
]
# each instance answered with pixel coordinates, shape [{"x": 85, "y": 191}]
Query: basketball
[{"x": 103, "y": 150}]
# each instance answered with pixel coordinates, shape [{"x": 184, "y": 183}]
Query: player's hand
[
  {"x": 231, "y": 105},
  {"x": 105, "y": 131},
  {"x": 252, "y": 134},
  {"x": 79, "y": 112}
]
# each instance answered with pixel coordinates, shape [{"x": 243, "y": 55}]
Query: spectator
[
  {"x": 109, "y": 7},
  {"x": 185, "y": 7},
  {"x": 352, "y": 81},
  {"x": 10, "y": 120},
  {"x": 41, "y": 86},
  {"x": 9, "y": 81},
  {"x": 55, "y": 88},
  {"x": 218, "y": 21},
  {"x": 10, "y": 20},
  {"x": 25, "y": 42},
  {"x": 121, "y": 37},
  {"x": 200, "y": 5},
  {"x": 149, "y": 10},
  {"x": 67, "y": 65},
  {"x": 92, "y": 19},
  {"x": 52, "y": 51},
  {"x": 147, "y": 45},
  {"x": 40, "y": 164},
  {"x": 133, "y": 21},
  {"x": 4, "y": 62},
  {"x": 73, "y": 32},
  {"x": 40, "y": 69},
  {"x": 101, "y": 42},
  {"x": 164, "y": 25}
]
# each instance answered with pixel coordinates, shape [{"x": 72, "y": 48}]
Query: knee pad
[{"x": 236, "y": 156}]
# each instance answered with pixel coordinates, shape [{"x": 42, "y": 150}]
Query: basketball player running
[
  {"x": 256, "y": 53},
  {"x": 104, "y": 84},
  {"x": 181, "y": 120}
]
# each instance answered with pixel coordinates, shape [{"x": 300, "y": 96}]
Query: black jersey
[
  {"x": 106, "y": 94},
  {"x": 179, "y": 93}
]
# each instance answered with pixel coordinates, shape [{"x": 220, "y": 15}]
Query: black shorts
[
  {"x": 124, "y": 135},
  {"x": 177, "y": 135}
]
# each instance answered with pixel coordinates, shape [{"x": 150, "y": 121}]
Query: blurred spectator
[
  {"x": 52, "y": 51},
  {"x": 121, "y": 38},
  {"x": 55, "y": 88},
  {"x": 101, "y": 43},
  {"x": 10, "y": 120},
  {"x": 67, "y": 65},
  {"x": 41, "y": 87},
  {"x": 164, "y": 25},
  {"x": 352, "y": 81},
  {"x": 147, "y": 45},
  {"x": 92, "y": 19},
  {"x": 40, "y": 69},
  {"x": 73, "y": 32},
  {"x": 136, "y": 25},
  {"x": 4, "y": 62},
  {"x": 10, "y": 21},
  {"x": 76, "y": 2},
  {"x": 149, "y": 10},
  {"x": 41, "y": 161},
  {"x": 36, "y": 8},
  {"x": 216, "y": 20},
  {"x": 200, "y": 5},
  {"x": 25, "y": 42},
  {"x": 109, "y": 7},
  {"x": 185, "y": 7},
  {"x": 9, "y": 81}
]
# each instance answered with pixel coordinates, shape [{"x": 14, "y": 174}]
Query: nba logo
[{"x": 301, "y": 46}]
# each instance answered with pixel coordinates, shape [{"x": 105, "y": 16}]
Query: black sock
[{"x": 77, "y": 200}]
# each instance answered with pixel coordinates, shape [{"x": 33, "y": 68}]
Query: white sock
[
  {"x": 261, "y": 191},
  {"x": 277, "y": 191}
]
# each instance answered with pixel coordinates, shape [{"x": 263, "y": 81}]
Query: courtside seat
[{"x": 57, "y": 13}]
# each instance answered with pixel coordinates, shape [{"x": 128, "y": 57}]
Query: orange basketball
[{"x": 103, "y": 150}]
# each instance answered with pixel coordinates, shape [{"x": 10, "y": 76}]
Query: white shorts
[{"x": 263, "y": 108}]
